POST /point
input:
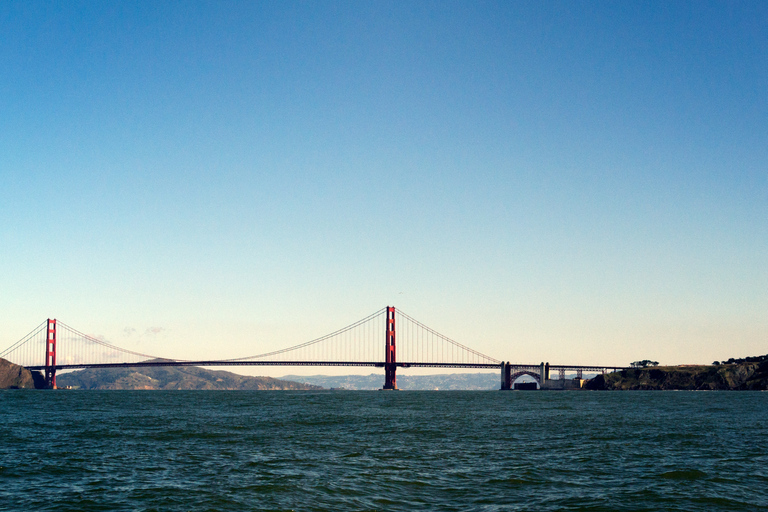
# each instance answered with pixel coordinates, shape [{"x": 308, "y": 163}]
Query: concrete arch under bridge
[
  {"x": 541, "y": 374},
  {"x": 513, "y": 377},
  {"x": 510, "y": 373}
]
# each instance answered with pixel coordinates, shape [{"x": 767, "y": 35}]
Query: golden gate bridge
[{"x": 379, "y": 340}]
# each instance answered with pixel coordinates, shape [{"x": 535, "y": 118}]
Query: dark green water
[{"x": 475, "y": 450}]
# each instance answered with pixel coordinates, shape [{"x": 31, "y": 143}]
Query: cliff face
[
  {"x": 13, "y": 376},
  {"x": 741, "y": 376}
]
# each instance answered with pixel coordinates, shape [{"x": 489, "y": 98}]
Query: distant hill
[
  {"x": 170, "y": 377},
  {"x": 748, "y": 373},
  {"x": 454, "y": 381}
]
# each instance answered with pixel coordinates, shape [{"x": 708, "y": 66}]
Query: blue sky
[{"x": 581, "y": 183}]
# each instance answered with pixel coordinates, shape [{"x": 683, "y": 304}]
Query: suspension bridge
[{"x": 406, "y": 343}]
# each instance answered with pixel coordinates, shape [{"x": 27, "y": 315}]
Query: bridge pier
[
  {"x": 390, "y": 379},
  {"x": 503, "y": 380},
  {"x": 544, "y": 372},
  {"x": 506, "y": 376}
]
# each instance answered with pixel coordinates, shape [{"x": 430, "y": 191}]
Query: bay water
[{"x": 383, "y": 450}]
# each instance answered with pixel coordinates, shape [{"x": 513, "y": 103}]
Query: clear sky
[{"x": 573, "y": 182}]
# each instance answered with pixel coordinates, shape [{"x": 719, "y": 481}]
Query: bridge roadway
[
  {"x": 328, "y": 363},
  {"x": 268, "y": 363},
  {"x": 509, "y": 372}
]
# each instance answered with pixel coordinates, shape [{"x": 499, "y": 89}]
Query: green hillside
[{"x": 169, "y": 377}]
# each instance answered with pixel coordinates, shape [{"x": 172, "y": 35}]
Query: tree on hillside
[{"x": 644, "y": 363}]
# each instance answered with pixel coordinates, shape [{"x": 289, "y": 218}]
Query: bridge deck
[
  {"x": 266, "y": 363},
  {"x": 324, "y": 363}
]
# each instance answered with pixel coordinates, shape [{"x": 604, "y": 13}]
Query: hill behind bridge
[
  {"x": 177, "y": 378},
  {"x": 451, "y": 381}
]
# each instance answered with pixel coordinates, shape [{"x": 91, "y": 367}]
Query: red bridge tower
[
  {"x": 50, "y": 355},
  {"x": 390, "y": 380}
]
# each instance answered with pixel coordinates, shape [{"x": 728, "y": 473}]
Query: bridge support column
[
  {"x": 503, "y": 366},
  {"x": 50, "y": 355},
  {"x": 390, "y": 366},
  {"x": 506, "y": 375}
]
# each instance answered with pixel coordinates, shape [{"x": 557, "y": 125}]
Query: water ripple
[{"x": 436, "y": 451}]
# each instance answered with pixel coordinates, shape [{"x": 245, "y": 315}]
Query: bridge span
[{"x": 54, "y": 346}]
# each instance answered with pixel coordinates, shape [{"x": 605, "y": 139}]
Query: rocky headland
[
  {"x": 744, "y": 374},
  {"x": 13, "y": 376}
]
